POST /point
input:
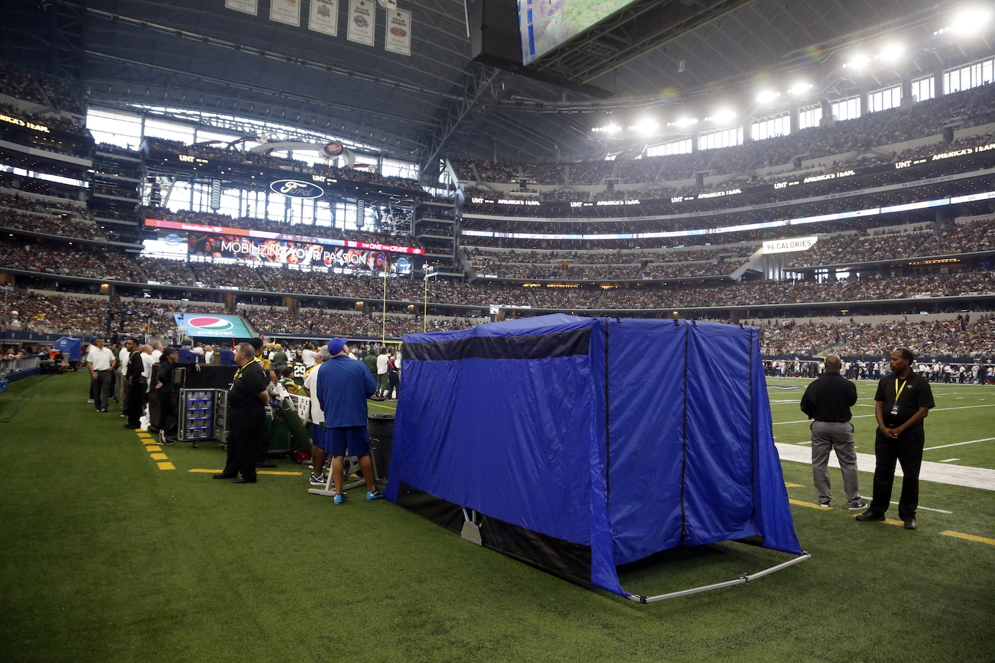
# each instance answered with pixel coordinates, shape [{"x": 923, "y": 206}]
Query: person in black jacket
[
  {"x": 828, "y": 401},
  {"x": 166, "y": 390},
  {"x": 136, "y": 384},
  {"x": 903, "y": 400},
  {"x": 247, "y": 399}
]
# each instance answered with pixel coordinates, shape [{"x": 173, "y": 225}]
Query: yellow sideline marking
[
  {"x": 166, "y": 466},
  {"x": 792, "y": 485},
  {"x": 811, "y": 505},
  {"x": 892, "y": 521},
  {"x": 969, "y": 537},
  {"x": 159, "y": 457},
  {"x": 154, "y": 447}
]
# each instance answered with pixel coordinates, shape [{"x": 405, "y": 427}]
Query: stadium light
[
  {"x": 722, "y": 116},
  {"x": 801, "y": 87},
  {"x": 645, "y": 126},
  {"x": 766, "y": 96},
  {"x": 890, "y": 53},
  {"x": 684, "y": 122},
  {"x": 968, "y": 22},
  {"x": 610, "y": 128},
  {"x": 858, "y": 62}
]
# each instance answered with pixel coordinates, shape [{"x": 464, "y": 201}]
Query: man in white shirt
[
  {"x": 383, "y": 385},
  {"x": 156, "y": 351},
  {"x": 208, "y": 354},
  {"x": 100, "y": 362},
  {"x": 317, "y": 417},
  {"x": 308, "y": 357}
]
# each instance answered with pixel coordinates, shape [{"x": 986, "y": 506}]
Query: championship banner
[
  {"x": 301, "y": 255},
  {"x": 324, "y": 17},
  {"x": 362, "y": 21},
  {"x": 285, "y": 11},
  {"x": 263, "y": 234},
  {"x": 247, "y": 6},
  {"x": 397, "y": 37}
]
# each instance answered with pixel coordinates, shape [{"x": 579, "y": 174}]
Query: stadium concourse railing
[{"x": 12, "y": 370}]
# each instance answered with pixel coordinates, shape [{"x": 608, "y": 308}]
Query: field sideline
[{"x": 106, "y": 557}]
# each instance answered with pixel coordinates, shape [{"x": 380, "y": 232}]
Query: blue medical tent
[
  {"x": 580, "y": 444},
  {"x": 71, "y": 347}
]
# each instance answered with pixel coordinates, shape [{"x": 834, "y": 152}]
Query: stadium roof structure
[{"x": 198, "y": 55}]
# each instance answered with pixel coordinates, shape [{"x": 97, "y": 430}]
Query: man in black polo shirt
[
  {"x": 828, "y": 401},
  {"x": 903, "y": 400},
  {"x": 247, "y": 400}
]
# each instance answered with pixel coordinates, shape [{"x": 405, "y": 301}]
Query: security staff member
[
  {"x": 166, "y": 393},
  {"x": 246, "y": 417},
  {"x": 828, "y": 401},
  {"x": 136, "y": 384},
  {"x": 903, "y": 400}
]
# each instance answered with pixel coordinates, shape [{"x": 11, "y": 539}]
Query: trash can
[{"x": 381, "y": 428}]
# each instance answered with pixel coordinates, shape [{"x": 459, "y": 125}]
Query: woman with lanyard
[
  {"x": 247, "y": 401},
  {"x": 902, "y": 401}
]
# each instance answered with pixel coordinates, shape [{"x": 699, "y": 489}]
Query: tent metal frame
[{"x": 742, "y": 580}]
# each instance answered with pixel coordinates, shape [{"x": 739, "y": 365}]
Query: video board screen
[
  {"x": 545, "y": 24},
  {"x": 263, "y": 234},
  {"x": 302, "y": 254}
]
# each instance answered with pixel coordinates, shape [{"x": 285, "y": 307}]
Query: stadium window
[
  {"x": 398, "y": 168},
  {"x": 923, "y": 88},
  {"x": 771, "y": 127},
  {"x": 809, "y": 117},
  {"x": 169, "y": 130},
  {"x": 667, "y": 149},
  {"x": 969, "y": 76},
  {"x": 724, "y": 138},
  {"x": 884, "y": 99},
  {"x": 846, "y": 109},
  {"x": 121, "y": 129}
]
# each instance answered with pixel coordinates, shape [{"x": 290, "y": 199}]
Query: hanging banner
[
  {"x": 398, "y": 31},
  {"x": 247, "y": 6},
  {"x": 362, "y": 21},
  {"x": 324, "y": 17},
  {"x": 285, "y": 11}
]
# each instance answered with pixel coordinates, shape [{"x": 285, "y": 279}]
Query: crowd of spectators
[
  {"x": 327, "y": 322},
  {"x": 933, "y": 338},
  {"x": 241, "y": 277},
  {"x": 97, "y": 264},
  {"x": 761, "y": 293},
  {"x": 973, "y": 236},
  {"x": 166, "y": 271},
  {"x": 677, "y": 270}
]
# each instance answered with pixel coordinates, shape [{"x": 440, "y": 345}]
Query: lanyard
[
  {"x": 256, "y": 360},
  {"x": 898, "y": 392}
]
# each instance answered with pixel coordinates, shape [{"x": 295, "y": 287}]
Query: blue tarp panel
[
  {"x": 71, "y": 347},
  {"x": 511, "y": 420}
]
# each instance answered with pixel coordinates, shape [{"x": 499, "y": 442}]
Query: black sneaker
[
  {"x": 868, "y": 516},
  {"x": 858, "y": 506},
  {"x": 319, "y": 480},
  {"x": 910, "y": 523}
]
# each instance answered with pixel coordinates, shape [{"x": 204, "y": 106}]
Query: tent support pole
[{"x": 742, "y": 580}]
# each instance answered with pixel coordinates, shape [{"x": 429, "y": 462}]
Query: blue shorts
[
  {"x": 321, "y": 438},
  {"x": 354, "y": 438}
]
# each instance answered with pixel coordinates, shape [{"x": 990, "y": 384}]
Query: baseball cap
[{"x": 335, "y": 345}]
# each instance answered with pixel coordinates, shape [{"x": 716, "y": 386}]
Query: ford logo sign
[{"x": 296, "y": 189}]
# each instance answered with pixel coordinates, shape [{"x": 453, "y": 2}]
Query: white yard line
[
  {"x": 954, "y": 475},
  {"x": 957, "y": 444},
  {"x": 864, "y": 416}
]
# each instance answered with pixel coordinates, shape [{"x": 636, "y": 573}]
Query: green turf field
[{"x": 106, "y": 557}]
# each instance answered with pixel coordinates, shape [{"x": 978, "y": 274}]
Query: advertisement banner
[
  {"x": 324, "y": 17},
  {"x": 362, "y": 21},
  {"x": 263, "y": 234},
  {"x": 339, "y": 259},
  {"x": 397, "y": 37},
  {"x": 247, "y": 6},
  {"x": 790, "y": 245},
  {"x": 211, "y": 325},
  {"x": 285, "y": 11}
]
